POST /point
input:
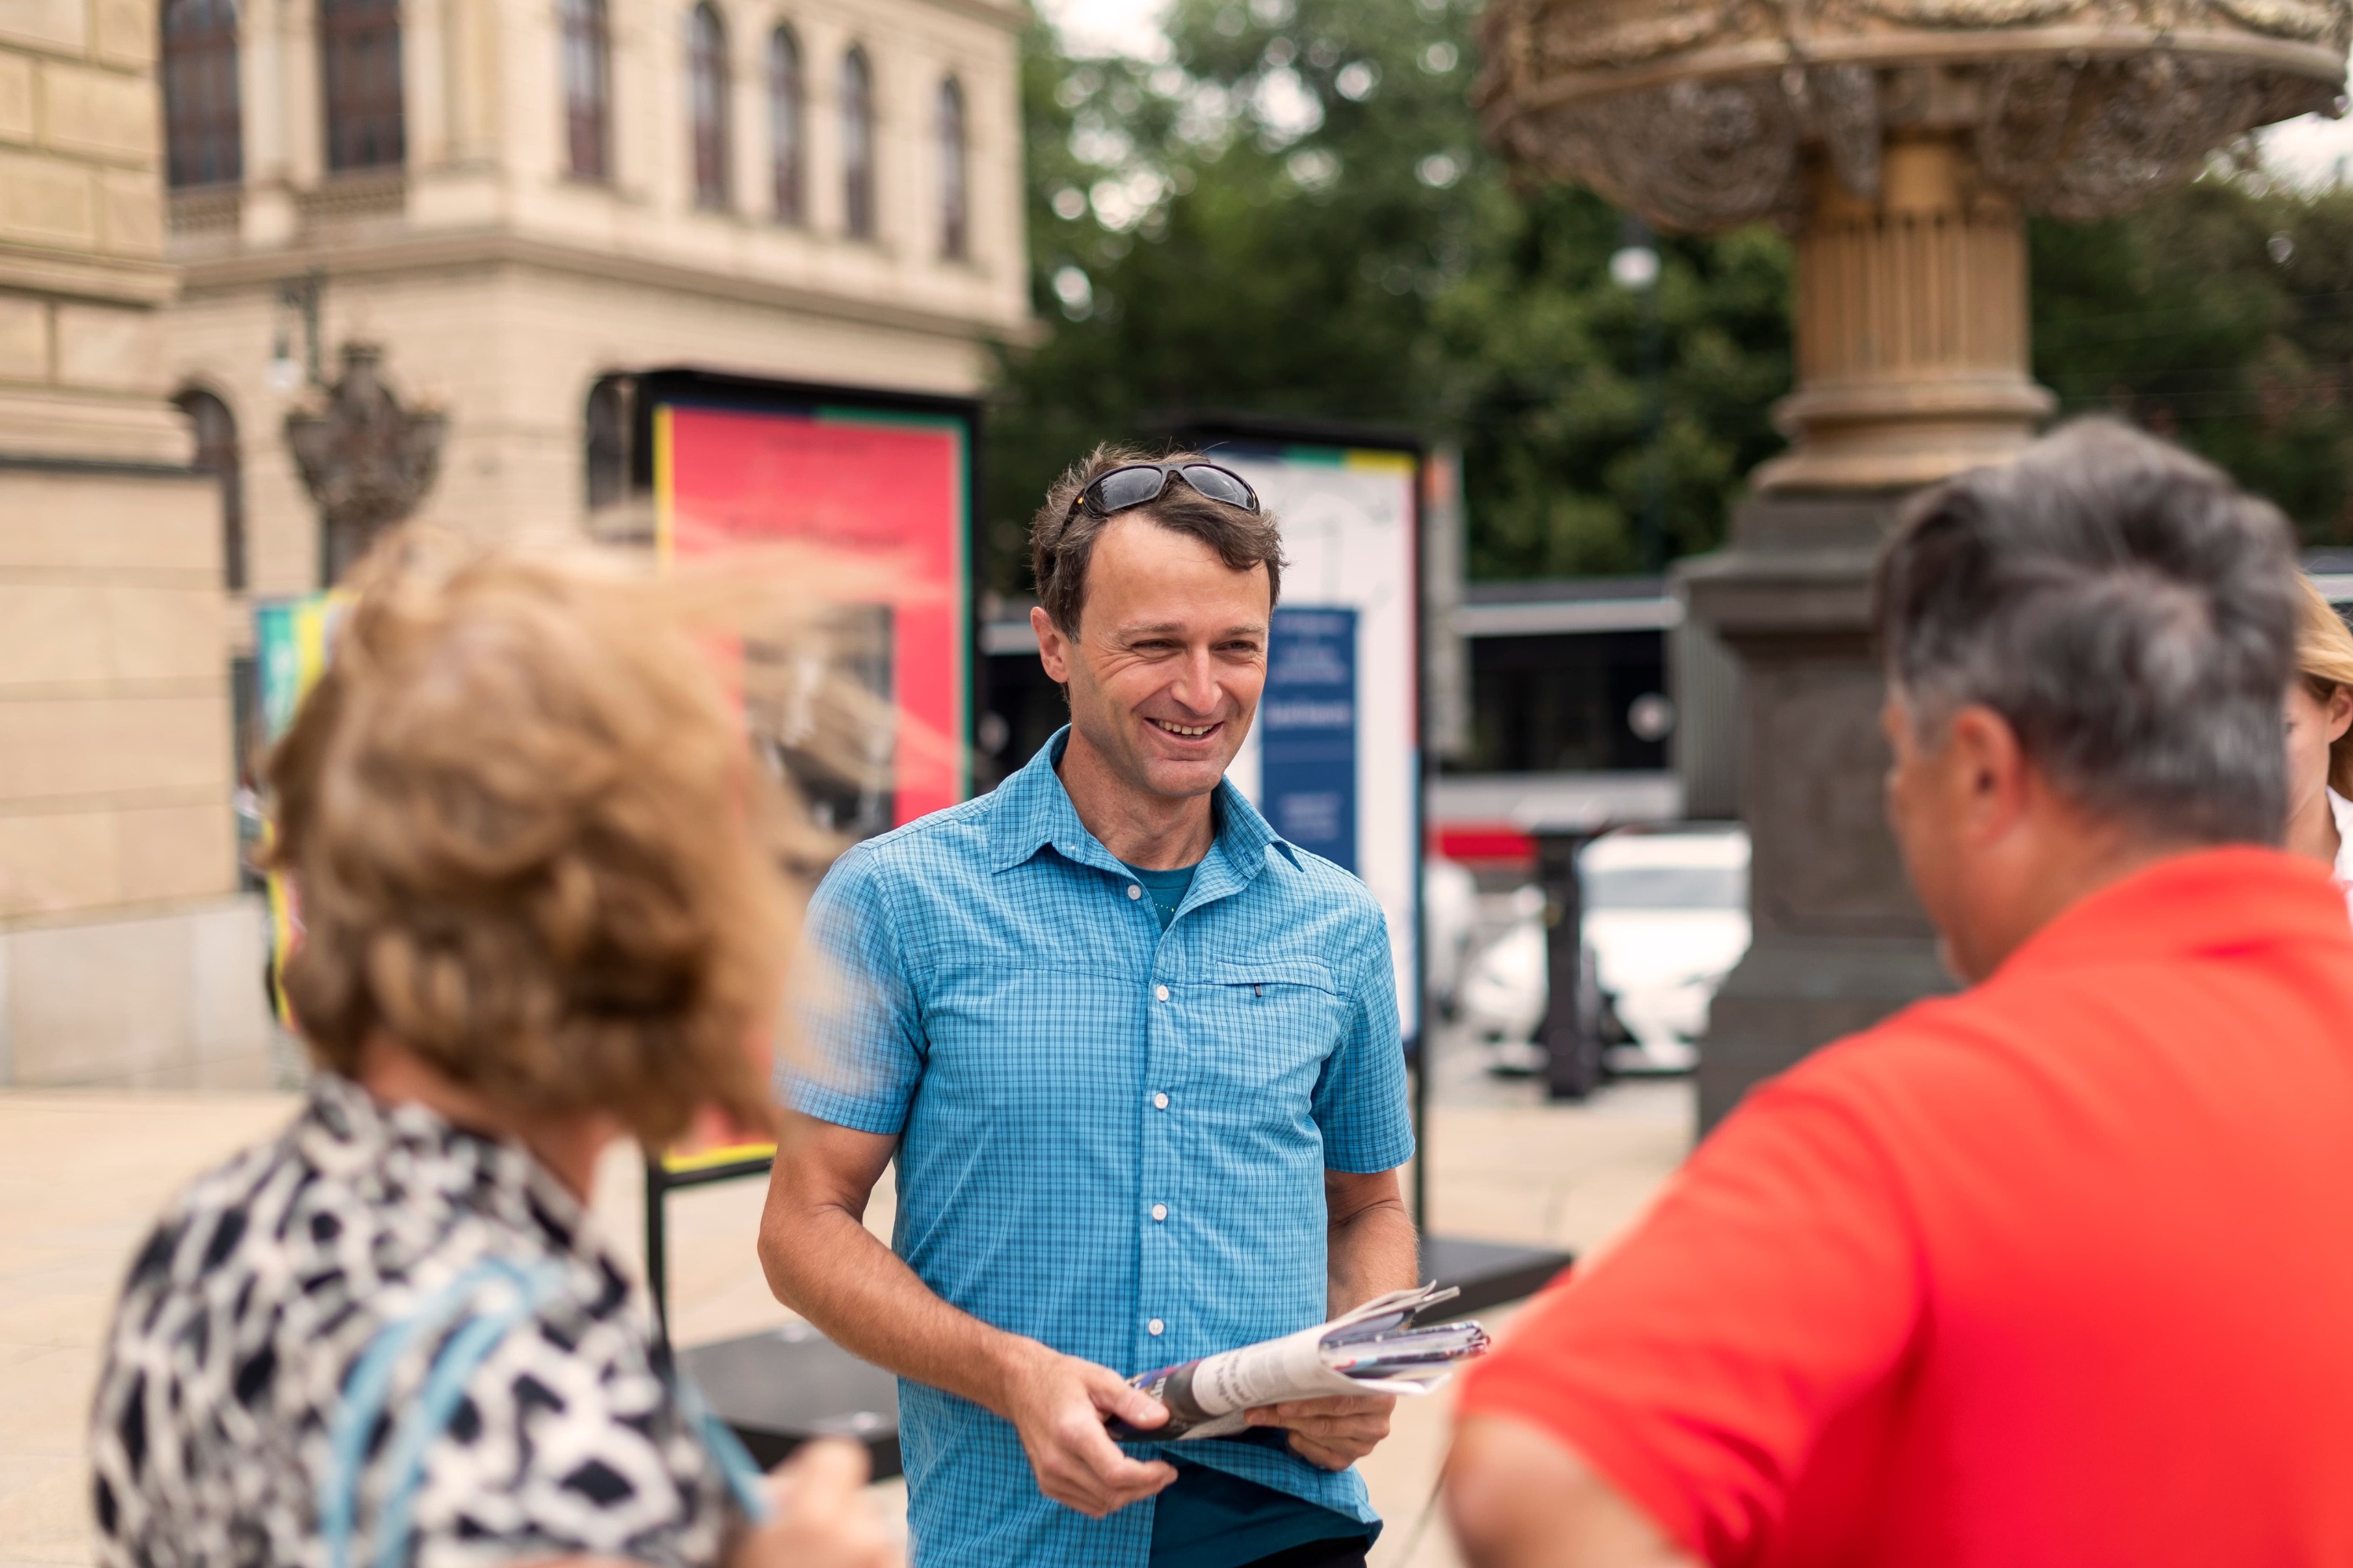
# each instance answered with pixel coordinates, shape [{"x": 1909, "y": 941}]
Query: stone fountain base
[{"x": 1839, "y": 941}]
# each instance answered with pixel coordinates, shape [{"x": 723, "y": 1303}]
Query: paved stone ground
[{"x": 81, "y": 1174}]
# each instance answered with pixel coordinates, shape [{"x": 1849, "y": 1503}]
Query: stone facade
[
  {"x": 118, "y": 871},
  {"x": 503, "y": 284},
  {"x": 457, "y": 222}
]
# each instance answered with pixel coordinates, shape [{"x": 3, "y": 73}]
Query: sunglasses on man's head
[{"x": 1140, "y": 483}]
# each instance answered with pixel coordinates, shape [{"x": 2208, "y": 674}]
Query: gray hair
[{"x": 2125, "y": 607}]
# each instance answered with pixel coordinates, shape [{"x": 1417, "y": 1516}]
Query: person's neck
[
  {"x": 568, "y": 1146},
  {"x": 2068, "y": 867},
  {"x": 1153, "y": 832},
  {"x": 2312, "y": 831}
]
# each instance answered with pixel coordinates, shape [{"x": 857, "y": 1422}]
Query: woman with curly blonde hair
[
  {"x": 539, "y": 912},
  {"x": 2320, "y": 739}
]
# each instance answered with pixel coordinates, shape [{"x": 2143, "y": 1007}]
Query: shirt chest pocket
[{"x": 1261, "y": 1033}]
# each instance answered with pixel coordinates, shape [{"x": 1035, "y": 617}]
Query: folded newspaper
[{"x": 1374, "y": 1350}]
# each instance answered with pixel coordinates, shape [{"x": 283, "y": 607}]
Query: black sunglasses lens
[
  {"x": 1219, "y": 485},
  {"x": 1124, "y": 487}
]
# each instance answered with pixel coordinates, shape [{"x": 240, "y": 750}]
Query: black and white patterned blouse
[{"x": 268, "y": 1280}]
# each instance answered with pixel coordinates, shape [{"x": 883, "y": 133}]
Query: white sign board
[{"x": 1334, "y": 760}]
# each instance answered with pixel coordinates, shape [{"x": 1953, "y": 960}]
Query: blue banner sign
[{"x": 1307, "y": 722}]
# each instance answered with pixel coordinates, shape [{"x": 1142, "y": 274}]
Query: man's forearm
[
  {"x": 1372, "y": 1250},
  {"x": 826, "y": 1265},
  {"x": 1519, "y": 1497}
]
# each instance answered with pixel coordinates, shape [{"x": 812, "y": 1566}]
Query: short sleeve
[
  {"x": 1696, "y": 1364},
  {"x": 1360, "y": 1099},
  {"x": 860, "y": 1054}
]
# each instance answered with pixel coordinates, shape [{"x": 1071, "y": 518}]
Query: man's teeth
[{"x": 1190, "y": 732}]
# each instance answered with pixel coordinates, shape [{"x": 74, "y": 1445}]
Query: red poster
[{"x": 880, "y": 483}]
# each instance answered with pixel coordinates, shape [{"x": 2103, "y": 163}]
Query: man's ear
[
  {"x": 1986, "y": 774},
  {"x": 1053, "y": 648}
]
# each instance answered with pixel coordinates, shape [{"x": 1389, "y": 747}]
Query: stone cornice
[
  {"x": 75, "y": 275},
  {"x": 498, "y": 249},
  {"x": 1010, "y": 15}
]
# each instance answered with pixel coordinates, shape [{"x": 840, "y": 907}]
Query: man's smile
[{"x": 1183, "y": 731}]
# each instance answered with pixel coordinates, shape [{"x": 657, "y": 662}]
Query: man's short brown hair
[
  {"x": 1062, "y": 539},
  {"x": 523, "y": 826}
]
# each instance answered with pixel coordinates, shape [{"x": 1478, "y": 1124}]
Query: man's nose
[{"x": 1197, "y": 684}]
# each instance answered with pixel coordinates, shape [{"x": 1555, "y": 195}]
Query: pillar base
[{"x": 1839, "y": 942}]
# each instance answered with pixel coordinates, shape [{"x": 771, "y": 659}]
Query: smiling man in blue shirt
[{"x": 1138, "y": 1061}]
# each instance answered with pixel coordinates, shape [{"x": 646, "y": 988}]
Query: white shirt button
[
  {"x": 1134, "y": 891},
  {"x": 1160, "y": 1102},
  {"x": 1154, "y": 1328},
  {"x": 1159, "y": 1210},
  {"x": 1161, "y": 991}
]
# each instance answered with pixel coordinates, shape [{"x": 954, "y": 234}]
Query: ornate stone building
[
  {"x": 523, "y": 201},
  {"x": 518, "y": 203}
]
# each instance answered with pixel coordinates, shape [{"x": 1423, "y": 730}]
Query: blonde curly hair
[
  {"x": 530, "y": 844},
  {"x": 2323, "y": 658}
]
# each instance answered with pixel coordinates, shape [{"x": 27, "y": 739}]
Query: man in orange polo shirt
[{"x": 2059, "y": 1271}]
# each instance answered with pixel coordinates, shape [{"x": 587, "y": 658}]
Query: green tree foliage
[
  {"x": 1293, "y": 214},
  {"x": 2220, "y": 315}
]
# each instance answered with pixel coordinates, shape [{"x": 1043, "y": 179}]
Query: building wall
[
  {"x": 116, "y": 837},
  {"x": 502, "y": 288}
]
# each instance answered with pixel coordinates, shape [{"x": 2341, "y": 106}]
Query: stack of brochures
[{"x": 1377, "y": 1349}]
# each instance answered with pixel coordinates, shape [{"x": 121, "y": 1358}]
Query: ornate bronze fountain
[{"x": 1901, "y": 142}]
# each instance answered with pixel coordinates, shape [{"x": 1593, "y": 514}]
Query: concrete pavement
[{"x": 81, "y": 1175}]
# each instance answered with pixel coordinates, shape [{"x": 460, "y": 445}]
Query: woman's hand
[{"x": 823, "y": 1517}]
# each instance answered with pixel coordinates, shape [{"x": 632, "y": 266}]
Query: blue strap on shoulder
[
  {"x": 368, "y": 1389},
  {"x": 735, "y": 1464}
]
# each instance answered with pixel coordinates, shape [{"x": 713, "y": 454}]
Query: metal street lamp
[{"x": 366, "y": 461}]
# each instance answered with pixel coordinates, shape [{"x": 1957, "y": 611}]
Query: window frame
[
  {"x": 707, "y": 84},
  {"x": 952, "y": 144},
  {"x": 860, "y": 185},
  {"x": 584, "y": 45},
  {"x": 363, "y": 85},
  {"x": 788, "y": 127},
  {"x": 221, "y": 453},
  {"x": 204, "y": 99}
]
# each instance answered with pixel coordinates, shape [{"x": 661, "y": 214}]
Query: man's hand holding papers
[
  {"x": 1058, "y": 1404},
  {"x": 1331, "y": 1385}
]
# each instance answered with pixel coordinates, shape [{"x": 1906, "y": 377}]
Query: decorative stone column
[
  {"x": 1901, "y": 142},
  {"x": 1911, "y": 327},
  {"x": 125, "y": 955}
]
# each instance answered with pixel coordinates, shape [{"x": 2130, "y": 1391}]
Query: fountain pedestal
[{"x": 1901, "y": 143}]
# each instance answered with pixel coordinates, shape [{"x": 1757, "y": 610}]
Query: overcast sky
[
  {"x": 2312, "y": 150},
  {"x": 1106, "y": 26}
]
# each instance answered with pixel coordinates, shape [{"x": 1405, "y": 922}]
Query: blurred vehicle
[
  {"x": 1505, "y": 987},
  {"x": 1450, "y": 920},
  {"x": 1666, "y": 918}
]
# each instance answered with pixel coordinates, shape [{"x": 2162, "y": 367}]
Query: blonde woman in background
[{"x": 2320, "y": 740}]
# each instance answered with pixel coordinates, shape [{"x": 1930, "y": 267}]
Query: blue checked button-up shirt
[{"x": 1112, "y": 1140}]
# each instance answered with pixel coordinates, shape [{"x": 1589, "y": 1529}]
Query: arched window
[
  {"x": 786, "y": 126},
  {"x": 955, "y": 190},
  {"x": 588, "y": 88},
  {"x": 216, "y": 454},
  {"x": 359, "y": 68},
  {"x": 857, "y": 144},
  {"x": 204, "y": 121},
  {"x": 706, "y": 73},
  {"x": 606, "y": 446}
]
